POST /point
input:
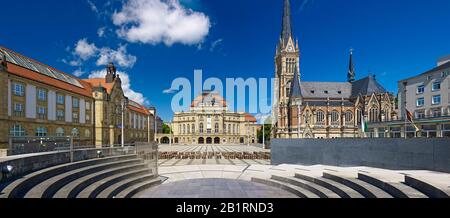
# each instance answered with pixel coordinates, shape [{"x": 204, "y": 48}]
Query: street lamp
[{"x": 124, "y": 104}]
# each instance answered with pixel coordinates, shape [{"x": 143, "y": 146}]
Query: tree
[
  {"x": 166, "y": 129},
  {"x": 267, "y": 133}
]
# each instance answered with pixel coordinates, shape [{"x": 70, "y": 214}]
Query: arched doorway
[
  {"x": 217, "y": 140},
  {"x": 176, "y": 141},
  {"x": 241, "y": 141},
  {"x": 209, "y": 140},
  {"x": 165, "y": 140},
  {"x": 201, "y": 140}
]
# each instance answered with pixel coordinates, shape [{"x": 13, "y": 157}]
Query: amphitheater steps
[
  {"x": 93, "y": 190},
  {"x": 72, "y": 189},
  {"x": 397, "y": 190},
  {"x": 430, "y": 190},
  {"x": 364, "y": 188},
  {"x": 320, "y": 191},
  {"x": 139, "y": 187},
  {"x": 300, "y": 192},
  {"x": 49, "y": 187},
  {"x": 342, "y": 190},
  {"x": 114, "y": 190},
  {"x": 20, "y": 187}
]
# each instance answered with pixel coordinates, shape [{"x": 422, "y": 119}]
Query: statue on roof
[{"x": 111, "y": 72}]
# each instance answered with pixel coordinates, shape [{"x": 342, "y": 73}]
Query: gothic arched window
[
  {"x": 348, "y": 117},
  {"x": 373, "y": 115},
  {"x": 335, "y": 118},
  {"x": 320, "y": 117}
]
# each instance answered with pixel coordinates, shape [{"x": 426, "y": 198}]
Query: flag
[
  {"x": 363, "y": 123},
  {"x": 410, "y": 118}
]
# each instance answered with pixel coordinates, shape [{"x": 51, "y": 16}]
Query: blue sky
[{"x": 232, "y": 38}]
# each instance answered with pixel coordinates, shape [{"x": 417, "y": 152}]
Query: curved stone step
[
  {"x": 300, "y": 192},
  {"x": 342, "y": 190},
  {"x": 72, "y": 189},
  {"x": 114, "y": 190},
  {"x": 49, "y": 187},
  {"x": 365, "y": 189},
  {"x": 426, "y": 188},
  {"x": 96, "y": 188},
  {"x": 397, "y": 190},
  {"x": 320, "y": 191},
  {"x": 135, "y": 189},
  {"x": 21, "y": 186}
]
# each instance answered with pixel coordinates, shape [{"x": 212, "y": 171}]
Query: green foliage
[
  {"x": 267, "y": 133},
  {"x": 166, "y": 129}
]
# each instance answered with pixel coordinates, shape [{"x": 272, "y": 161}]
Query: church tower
[{"x": 287, "y": 64}]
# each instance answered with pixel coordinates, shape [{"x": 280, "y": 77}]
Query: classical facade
[
  {"x": 37, "y": 100},
  {"x": 322, "y": 109},
  {"x": 210, "y": 122}
]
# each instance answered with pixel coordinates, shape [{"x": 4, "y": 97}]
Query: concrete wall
[
  {"x": 396, "y": 154},
  {"x": 24, "y": 164}
]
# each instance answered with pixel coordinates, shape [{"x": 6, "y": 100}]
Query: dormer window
[
  {"x": 312, "y": 91},
  {"x": 339, "y": 92},
  {"x": 326, "y": 92}
]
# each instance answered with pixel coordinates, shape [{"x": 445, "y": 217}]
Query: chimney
[{"x": 443, "y": 60}]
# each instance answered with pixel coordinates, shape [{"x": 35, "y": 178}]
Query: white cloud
[
  {"x": 126, "y": 86},
  {"x": 93, "y": 6},
  {"x": 101, "y": 32},
  {"x": 156, "y": 21},
  {"x": 215, "y": 44},
  {"x": 84, "y": 49},
  {"x": 79, "y": 73},
  {"x": 119, "y": 56}
]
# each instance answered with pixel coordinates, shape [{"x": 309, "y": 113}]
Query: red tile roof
[{"x": 250, "y": 118}]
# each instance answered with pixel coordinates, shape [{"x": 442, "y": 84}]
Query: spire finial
[
  {"x": 351, "y": 68},
  {"x": 286, "y": 32}
]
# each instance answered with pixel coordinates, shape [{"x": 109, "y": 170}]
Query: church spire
[
  {"x": 351, "y": 69},
  {"x": 286, "y": 32},
  {"x": 296, "y": 92}
]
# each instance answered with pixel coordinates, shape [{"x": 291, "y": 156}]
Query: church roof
[
  {"x": 96, "y": 82},
  {"x": 332, "y": 90},
  {"x": 367, "y": 86}
]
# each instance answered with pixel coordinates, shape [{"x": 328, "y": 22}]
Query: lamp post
[{"x": 124, "y": 102}]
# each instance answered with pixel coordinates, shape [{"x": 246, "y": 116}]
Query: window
[
  {"x": 420, "y": 114},
  {"x": 75, "y": 103},
  {"x": 75, "y": 132},
  {"x": 335, "y": 118},
  {"x": 420, "y": 89},
  {"x": 216, "y": 128},
  {"x": 436, "y": 99},
  {"x": 41, "y": 131},
  {"x": 17, "y": 131},
  {"x": 193, "y": 128},
  {"x": 320, "y": 117},
  {"x": 188, "y": 129},
  {"x": 88, "y": 118},
  {"x": 374, "y": 115},
  {"x": 60, "y": 132},
  {"x": 60, "y": 115},
  {"x": 75, "y": 118},
  {"x": 18, "y": 110},
  {"x": 436, "y": 112},
  {"x": 88, "y": 106},
  {"x": 42, "y": 95},
  {"x": 348, "y": 117},
  {"x": 201, "y": 127},
  {"x": 420, "y": 102},
  {"x": 436, "y": 86},
  {"x": 60, "y": 99},
  {"x": 42, "y": 113},
  {"x": 87, "y": 133},
  {"x": 18, "y": 89}
]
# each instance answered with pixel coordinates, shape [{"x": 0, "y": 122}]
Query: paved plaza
[
  {"x": 212, "y": 161},
  {"x": 215, "y": 188}
]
